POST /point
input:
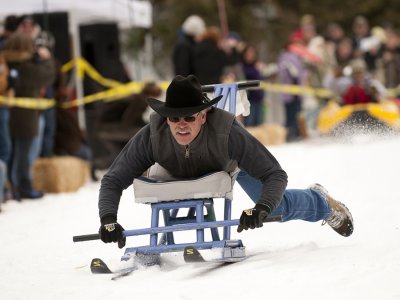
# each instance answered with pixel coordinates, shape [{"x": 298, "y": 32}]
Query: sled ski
[
  {"x": 192, "y": 255},
  {"x": 98, "y": 266}
]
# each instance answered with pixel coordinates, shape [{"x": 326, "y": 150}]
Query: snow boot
[{"x": 340, "y": 218}]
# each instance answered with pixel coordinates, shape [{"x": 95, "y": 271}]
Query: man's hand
[
  {"x": 111, "y": 231},
  {"x": 253, "y": 217}
]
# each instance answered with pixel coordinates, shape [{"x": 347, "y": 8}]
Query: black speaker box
[{"x": 100, "y": 47}]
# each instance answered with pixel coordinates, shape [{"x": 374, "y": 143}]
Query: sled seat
[{"x": 215, "y": 185}]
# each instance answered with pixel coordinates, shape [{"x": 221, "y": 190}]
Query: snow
[{"x": 293, "y": 260}]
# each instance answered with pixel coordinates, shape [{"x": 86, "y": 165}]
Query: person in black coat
[
  {"x": 211, "y": 59},
  {"x": 182, "y": 57}
]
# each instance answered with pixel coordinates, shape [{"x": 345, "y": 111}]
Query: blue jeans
[
  {"x": 21, "y": 164},
  {"x": 307, "y": 204},
  {"x": 48, "y": 132},
  {"x": 293, "y": 108},
  {"x": 36, "y": 146},
  {"x": 5, "y": 141},
  {"x": 3, "y": 178},
  {"x": 255, "y": 117}
]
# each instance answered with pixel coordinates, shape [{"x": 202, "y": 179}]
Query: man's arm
[
  {"x": 258, "y": 162},
  {"x": 134, "y": 159}
]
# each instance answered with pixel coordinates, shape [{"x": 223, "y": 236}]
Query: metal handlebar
[
  {"x": 173, "y": 228},
  {"x": 241, "y": 86}
]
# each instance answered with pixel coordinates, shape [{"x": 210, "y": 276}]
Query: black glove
[
  {"x": 253, "y": 217},
  {"x": 111, "y": 231}
]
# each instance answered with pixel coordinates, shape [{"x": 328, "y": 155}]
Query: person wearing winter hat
[
  {"x": 192, "y": 28},
  {"x": 189, "y": 138}
]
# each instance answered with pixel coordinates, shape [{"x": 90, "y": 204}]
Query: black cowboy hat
[{"x": 184, "y": 98}]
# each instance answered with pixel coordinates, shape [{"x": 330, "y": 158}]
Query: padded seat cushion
[{"x": 214, "y": 185}]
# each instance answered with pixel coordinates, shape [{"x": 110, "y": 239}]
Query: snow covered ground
[{"x": 293, "y": 260}]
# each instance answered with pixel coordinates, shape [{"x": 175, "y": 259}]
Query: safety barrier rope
[{"x": 117, "y": 90}]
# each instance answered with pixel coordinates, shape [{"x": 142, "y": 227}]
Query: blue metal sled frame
[{"x": 195, "y": 220}]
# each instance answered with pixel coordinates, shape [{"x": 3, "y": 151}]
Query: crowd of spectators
[{"x": 356, "y": 67}]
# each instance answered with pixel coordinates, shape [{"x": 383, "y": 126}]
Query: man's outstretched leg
[{"x": 312, "y": 204}]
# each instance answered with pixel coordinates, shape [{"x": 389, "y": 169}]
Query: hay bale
[
  {"x": 60, "y": 174},
  {"x": 269, "y": 134}
]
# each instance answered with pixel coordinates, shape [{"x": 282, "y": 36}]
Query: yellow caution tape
[
  {"x": 117, "y": 90},
  {"x": 82, "y": 67},
  {"x": 29, "y": 103},
  {"x": 115, "y": 93},
  {"x": 295, "y": 89}
]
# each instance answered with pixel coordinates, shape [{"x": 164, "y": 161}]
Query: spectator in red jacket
[{"x": 363, "y": 88}]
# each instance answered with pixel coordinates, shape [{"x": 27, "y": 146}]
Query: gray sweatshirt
[{"x": 222, "y": 144}]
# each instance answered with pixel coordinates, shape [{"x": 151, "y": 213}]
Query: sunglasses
[{"x": 188, "y": 119}]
